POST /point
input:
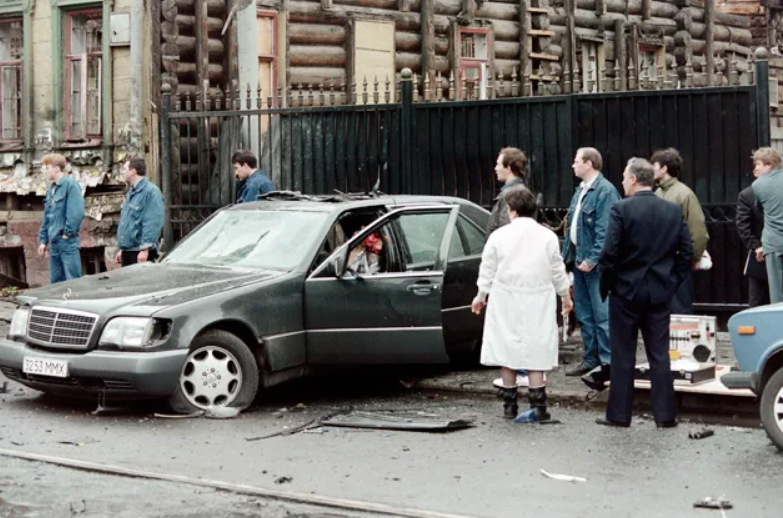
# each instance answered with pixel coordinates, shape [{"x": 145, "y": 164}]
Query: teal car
[{"x": 757, "y": 338}]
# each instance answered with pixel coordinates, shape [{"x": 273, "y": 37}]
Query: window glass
[
  {"x": 423, "y": 235},
  {"x": 474, "y": 236},
  {"x": 456, "y": 247},
  {"x": 252, "y": 239}
]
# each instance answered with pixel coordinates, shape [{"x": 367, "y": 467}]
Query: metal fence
[{"x": 318, "y": 143}]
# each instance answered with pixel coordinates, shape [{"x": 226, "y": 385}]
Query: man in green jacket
[{"x": 668, "y": 164}]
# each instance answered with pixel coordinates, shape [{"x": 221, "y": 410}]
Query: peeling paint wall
[{"x": 95, "y": 165}]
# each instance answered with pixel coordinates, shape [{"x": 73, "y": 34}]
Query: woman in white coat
[{"x": 522, "y": 272}]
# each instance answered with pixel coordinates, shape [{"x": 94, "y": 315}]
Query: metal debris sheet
[{"x": 386, "y": 422}]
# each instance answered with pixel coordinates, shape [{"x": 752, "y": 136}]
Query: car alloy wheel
[{"x": 211, "y": 377}]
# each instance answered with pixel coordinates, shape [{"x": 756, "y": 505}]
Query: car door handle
[{"x": 422, "y": 288}]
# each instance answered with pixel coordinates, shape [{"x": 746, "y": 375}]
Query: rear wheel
[
  {"x": 772, "y": 408},
  {"x": 220, "y": 370}
]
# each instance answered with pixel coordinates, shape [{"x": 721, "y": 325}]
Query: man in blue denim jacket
[
  {"x": 588, "y": 217},
  {"x": 63, "y": 215},
  {"x": 255, "y": 181},
  {"x": 141, "y": 220}
]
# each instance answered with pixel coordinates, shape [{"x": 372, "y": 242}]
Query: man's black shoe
[
  {"x": 615, "y": 424},
  {"x": 596, "y": 379},
  {"x": 667, "y": 424},
  {"x": 583, "y": 368}
]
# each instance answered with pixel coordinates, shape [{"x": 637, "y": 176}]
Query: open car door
[{"x": 390, "y": 316}]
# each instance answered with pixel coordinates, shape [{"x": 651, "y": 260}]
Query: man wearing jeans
[
  {"x": 141, "y": 219},
  {"x": 768, "y": 191},
  {"x": 63, "y": 215},
  {"x": 588, "y": 217}
]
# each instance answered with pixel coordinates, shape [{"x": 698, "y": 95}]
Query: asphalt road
[{"x": 490, "y": 470}]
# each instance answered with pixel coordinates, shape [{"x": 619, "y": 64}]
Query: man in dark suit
[
  {"x": 646, "y": 255},
  {"x": 750, "y": 223}
]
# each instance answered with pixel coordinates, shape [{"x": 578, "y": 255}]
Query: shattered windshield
[{"x": 251, "y": 239}]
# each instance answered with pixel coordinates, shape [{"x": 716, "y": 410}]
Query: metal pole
[
  {"x": 165, "y": 165},
  {"x": 136, "y": 76},
  {"x": 762, "y": 96},
  {"x": 406, "y": 123}
]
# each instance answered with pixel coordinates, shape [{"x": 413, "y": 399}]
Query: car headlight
[
  {"x": 19, "y": 323},
  {"x": 127, "y": 332}
]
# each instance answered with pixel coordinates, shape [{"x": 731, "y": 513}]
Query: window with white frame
[
  {"x": 475, "y": 56},
  {"x": 11, "y": 80},
  {"x": 83, "y": 74}
]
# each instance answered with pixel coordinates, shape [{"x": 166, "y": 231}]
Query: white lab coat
[{"x": 523, "y": 272}]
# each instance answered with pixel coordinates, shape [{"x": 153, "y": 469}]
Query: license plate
[{"x": 43, "y": 367}]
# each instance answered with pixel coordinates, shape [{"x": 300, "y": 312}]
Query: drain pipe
[{"x": 136, "y": 73}]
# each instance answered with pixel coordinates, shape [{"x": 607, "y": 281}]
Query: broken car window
[{"x": 252, "y": 239}]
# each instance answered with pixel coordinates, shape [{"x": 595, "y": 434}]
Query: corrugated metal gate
[{"x": 451, "y": 147}]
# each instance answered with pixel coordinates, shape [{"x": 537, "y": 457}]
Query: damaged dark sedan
[{"x": 261, "y": 293}]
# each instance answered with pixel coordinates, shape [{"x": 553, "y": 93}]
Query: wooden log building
[{"x": 593, "y": 45}]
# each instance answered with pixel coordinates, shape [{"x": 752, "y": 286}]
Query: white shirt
[{"x": 585, "y": 186}]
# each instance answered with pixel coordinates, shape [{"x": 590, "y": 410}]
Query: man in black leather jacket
[{"x": 750, "y": 223}]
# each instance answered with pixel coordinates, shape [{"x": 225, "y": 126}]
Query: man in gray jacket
[
  {"x": 768, "y": 191},
  {"x": 510, "y": 171}
]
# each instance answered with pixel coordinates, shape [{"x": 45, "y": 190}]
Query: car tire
[
  {"x": 220, "y": 370},
  {"x": 771, "y": 408}
]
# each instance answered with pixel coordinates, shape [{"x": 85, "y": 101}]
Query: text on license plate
[{"x": 43, "y": 367}]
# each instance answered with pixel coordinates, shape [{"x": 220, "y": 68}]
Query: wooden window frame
[
  {"x": 68, "y": 59},
  {"x": 464, "y": 63},
  {"x": 19, "y": 64},
  {"x": 600, "y": 64},
  {"x": 659, "y": 51},
  {"x": 273, "y": 58}
]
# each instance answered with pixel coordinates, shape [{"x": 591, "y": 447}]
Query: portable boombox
[{"x": 693, "y": 349}]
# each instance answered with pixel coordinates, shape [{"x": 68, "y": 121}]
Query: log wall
[{"x": 320, "y": 47}]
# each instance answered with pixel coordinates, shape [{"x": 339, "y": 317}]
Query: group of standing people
[
  {"x": 141, "y": 217},
  {"x": 631, "y": 261}
]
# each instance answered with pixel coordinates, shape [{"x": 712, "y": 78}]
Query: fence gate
[{"x": 328, "y": 140}]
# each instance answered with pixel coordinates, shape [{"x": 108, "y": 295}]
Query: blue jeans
[
  {"x": 593, "y": 316},
  {"x": 65, "y": 262}
]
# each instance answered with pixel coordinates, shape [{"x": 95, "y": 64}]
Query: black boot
[
  {"x": 537, "y": 398},
  {"x": 510, "y": 406}
]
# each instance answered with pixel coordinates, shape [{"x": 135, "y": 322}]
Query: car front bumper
[
  {"x": 127, "y": 375},
  {"x": 741, "y": 380}
]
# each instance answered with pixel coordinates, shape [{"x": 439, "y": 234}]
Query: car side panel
[{"x": 269, "y": 309}]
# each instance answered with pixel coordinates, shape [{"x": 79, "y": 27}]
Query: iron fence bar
[
  {"x": 762, "y": 96},
  {"x": 406, "y": 137},
  {"x": 165, "y": 165}
]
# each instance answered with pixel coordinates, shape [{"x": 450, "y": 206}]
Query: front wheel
[
  {"x": 220, "y": 370},
  {"x": 772, "y": 408}
]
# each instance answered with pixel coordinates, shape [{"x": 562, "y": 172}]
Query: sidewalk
[{"x": 570, "y": 391}]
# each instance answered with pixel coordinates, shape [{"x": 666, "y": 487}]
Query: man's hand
[
  {"x": 568, "y": 305},
  {"x": 143, "y": 256},
  {"x": 760, "y": 254},
  {"x": 584, "y": 267},
  {"x": 695, "y": 265},
  {"x": 118, "y": 257},
  {"x": 42, "y": 250}
]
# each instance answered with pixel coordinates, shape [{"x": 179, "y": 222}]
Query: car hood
[{"x": 152, "y": 285}]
